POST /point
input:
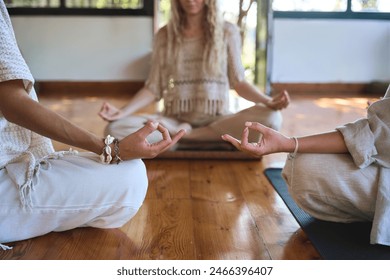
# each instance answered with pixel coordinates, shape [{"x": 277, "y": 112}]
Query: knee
[
  {"x": 112, "y": 129},
  {"x": 299, "y": 176},
  {"x": 123, "y": 127},
  {"x": 129, "y": 188},
  {"x": 319, "y": 184},
  {"x": 275, "y": 120},
  {"x": 268, "y": 117},
  {"x": 134, "y": 182}
]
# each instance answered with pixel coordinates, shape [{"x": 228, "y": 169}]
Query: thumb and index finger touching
[
  {"x": 244, "y": 138},
  {"x": 166, "y": 142}
]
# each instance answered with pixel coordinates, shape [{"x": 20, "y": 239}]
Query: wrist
[
  {"x": 110, "y": 151},
  {"x": 106, "y": 155},
  {"x": 117, "y": 155},
  {"x": 267, "y": 101},
  {"x": 293, "y": 147}
]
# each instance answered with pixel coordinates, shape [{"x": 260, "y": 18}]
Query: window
[
  {"x": 379, "y": 6},
  {"x": 310, "y": 5},
  {"x": 32, "y": 3},
  {"x": 359, "y": 9},
  {"x": 80, "y": 7}
]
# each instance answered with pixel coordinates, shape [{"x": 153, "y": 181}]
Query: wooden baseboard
[
  {"x": 87, "y": 88},
  {"x": 95, "y": 88},
  {"x": 377, "y": 88}
]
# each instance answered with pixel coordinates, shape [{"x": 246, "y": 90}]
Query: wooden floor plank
[
  {"x": 224, "y": 227},
  {"x": 166, "y": 230}
]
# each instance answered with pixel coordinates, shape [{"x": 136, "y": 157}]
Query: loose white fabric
[
  {"x": 42, "y": 190},
  {"x": 73, "y": 191}
]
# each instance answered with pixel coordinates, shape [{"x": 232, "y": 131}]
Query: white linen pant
[
  {"x": 232, "y": 124},
  {"x": 330, "y": 187},
  {"x": 72, "y": 191}
]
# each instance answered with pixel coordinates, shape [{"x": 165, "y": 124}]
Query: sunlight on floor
[{"x": 343, "y": 104}]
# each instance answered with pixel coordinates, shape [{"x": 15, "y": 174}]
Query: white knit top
[
  {"x": 17, "y": 144},
  {"x": 189, "y": 94}
]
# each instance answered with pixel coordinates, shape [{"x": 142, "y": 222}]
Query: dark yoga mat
[{"x": 334, "y": 241}]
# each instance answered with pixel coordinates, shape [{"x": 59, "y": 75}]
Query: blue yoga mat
[{"x": 333, "y": 241}]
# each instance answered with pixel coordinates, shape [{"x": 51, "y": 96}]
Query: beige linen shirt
[{"x": 368, "y": 141}]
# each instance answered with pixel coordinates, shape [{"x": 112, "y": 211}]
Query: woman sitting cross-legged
[
  {"x": 341, "y": 176},
  {"x": 42, "y": 190},
  {"x": 196, "y": 60}
]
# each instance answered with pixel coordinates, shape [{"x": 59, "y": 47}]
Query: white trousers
[
  {"x": 70, "y": 192},
  {"x": 330, "y": 187},
  {"x": 232, "y": 124}
]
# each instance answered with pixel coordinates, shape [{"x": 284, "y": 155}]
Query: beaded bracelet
[
  {"x": 117, "y": 157},
  {"x": 106, "y": 157}
]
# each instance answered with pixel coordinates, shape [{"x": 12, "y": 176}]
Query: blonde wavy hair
[{"x": 212, "y": 36}]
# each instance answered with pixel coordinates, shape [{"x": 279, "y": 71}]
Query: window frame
[
  {"x": 348, "y": 14},
  {"x": 146, "y": 10},
  {"x": 149, "y": 7}
]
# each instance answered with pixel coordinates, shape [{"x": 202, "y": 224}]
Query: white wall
[
  {"x": 118, "y": 48},
  {"x": 322, "y": 51},
  {"x": 86, "y": 48}
]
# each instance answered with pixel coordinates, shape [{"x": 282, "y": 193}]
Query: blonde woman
[{"x": 196, "y": 60}]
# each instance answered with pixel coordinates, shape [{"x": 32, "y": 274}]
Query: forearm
[
  {"x": 251, "y": 93},
  {"x": 17, "y": 107},
  {"x": 327, "y": 143},
  {"x": 141, "y": 99}
]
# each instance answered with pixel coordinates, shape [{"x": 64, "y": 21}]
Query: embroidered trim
[
  {"x": 199, "y": 81},
  {"x": 210, "y": 107}
]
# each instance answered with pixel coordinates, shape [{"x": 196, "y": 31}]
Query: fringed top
[{"x": 190, "y": 94}]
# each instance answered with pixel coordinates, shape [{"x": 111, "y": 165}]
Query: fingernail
[{"x": 248, "y": 123}]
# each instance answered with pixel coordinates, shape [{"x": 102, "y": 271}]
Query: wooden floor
[{"x": 198, "y": 209}]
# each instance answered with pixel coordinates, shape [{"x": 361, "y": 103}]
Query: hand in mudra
[
  {"x": 270, "y": 140},
  {"x": 109, "y": 112},
  {"x": 136, "y": 145}
]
